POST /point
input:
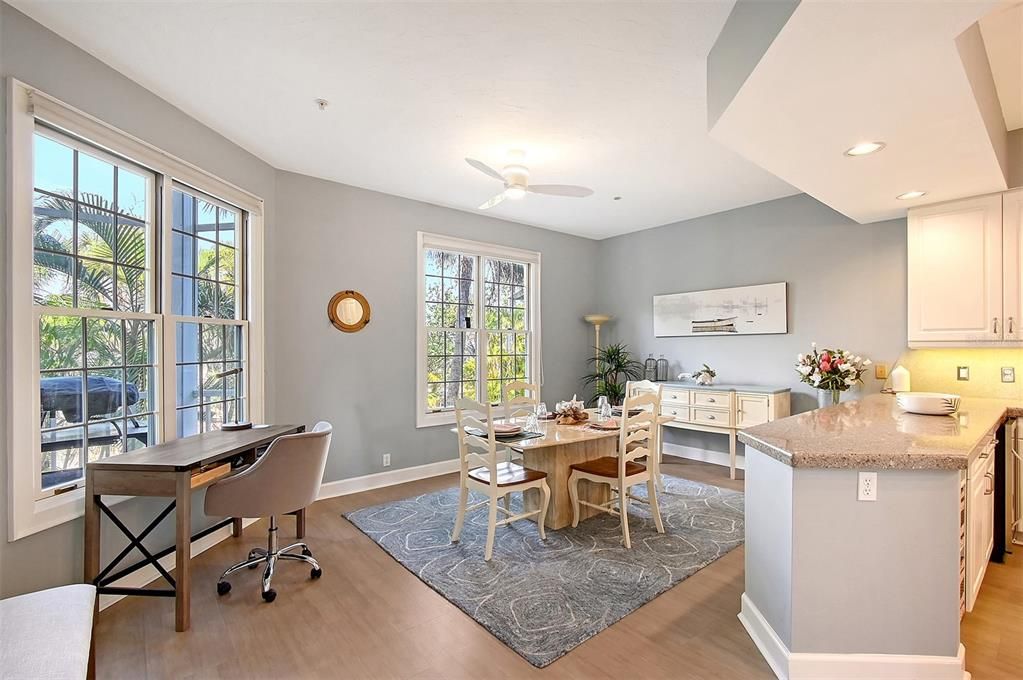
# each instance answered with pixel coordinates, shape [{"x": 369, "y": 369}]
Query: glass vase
[{"x": 827, "y": 398}]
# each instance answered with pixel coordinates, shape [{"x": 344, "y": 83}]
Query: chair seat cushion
[
  {"x": 608, "y": 467},
  {"x": 508, "y": 474}
]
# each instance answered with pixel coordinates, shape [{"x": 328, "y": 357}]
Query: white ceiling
[
  {"x": 611, "y": 96},
  {"x": 1003, "y": 39},
  {"x": 840, "y": 73}
]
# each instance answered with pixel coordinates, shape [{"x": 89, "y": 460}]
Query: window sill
[
  {"x": 53, "y": 511},
  {"x": 435, "y": 419}
]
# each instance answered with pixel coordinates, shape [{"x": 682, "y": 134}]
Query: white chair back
[
  {"x": 476, "y": 450},
  {"x": 638, "y": 435},
  {"x": 522, "y": 405},
  {"x": 637, "y": 387}
]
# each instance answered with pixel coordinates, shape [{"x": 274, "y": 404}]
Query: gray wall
[
  {"x": 40, "y": 58},
  {"x": 846, "y": 287},
  {"x": 342, "y": 237}
]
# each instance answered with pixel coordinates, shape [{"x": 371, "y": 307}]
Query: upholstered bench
[{"x": 46, "y": 635}]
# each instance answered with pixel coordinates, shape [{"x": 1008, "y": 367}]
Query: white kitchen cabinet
[
  {"x": 980, "y": 522},
  {"x": 955, "y": 268},
  {"x": 1012, "y": 263}
]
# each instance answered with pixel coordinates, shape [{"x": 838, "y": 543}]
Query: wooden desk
[{"x": 172, "y": 470}]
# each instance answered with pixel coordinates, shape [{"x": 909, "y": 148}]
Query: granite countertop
[
  {"x": 727, "y": 387},
  {"x": 874, "y": 433}
]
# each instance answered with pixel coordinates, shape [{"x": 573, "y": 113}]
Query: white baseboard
[
  {"x": 343, "y": 487},
  {"x": 803, "y": 666},
  {"x": 148, "y": 574},
  {"x": 702, "y": 455}
]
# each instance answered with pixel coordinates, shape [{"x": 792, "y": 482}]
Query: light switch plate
[
  {"x": 962, "y": 373},
  {"x": 1008, "y": 374},
  {"x": 881, "y": 371}
]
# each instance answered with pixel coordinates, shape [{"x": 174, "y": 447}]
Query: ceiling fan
[{"x": 515, "y": 178}]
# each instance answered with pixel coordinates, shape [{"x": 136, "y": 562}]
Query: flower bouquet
[{"x": 832, "y": 371}]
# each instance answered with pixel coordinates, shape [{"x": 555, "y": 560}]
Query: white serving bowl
[{"x": 928, "y": 403}]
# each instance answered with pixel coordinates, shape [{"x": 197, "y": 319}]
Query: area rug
[{"x": 543, "y": 598}]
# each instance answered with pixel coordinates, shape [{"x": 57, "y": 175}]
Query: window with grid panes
[
  {"x": 477, "y": 326},
  {"x": 93, "y": 221}
]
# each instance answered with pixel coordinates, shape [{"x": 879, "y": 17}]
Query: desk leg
[
  {"x": 91, "y": 561},
  {"x": 731, "y": 454},
  {"x": 182, "y": 553},
  {"x": 236, "y": 526},
  {"x": 300, "y": 523}
]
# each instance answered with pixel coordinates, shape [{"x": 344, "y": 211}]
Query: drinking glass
[
  {"x": 603, "y": 409},
  {"x": 541, "y": 411},
  {"x": 532, "y": 424}
]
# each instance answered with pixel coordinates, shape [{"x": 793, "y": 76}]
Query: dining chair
[
  {"x": 632, "y": 388},
  {"x": 480, "y": 470},
  {"x": 622, "y": 472},
  {"x": 522, "y": 405},
  {"x": 284, "y": 479}
]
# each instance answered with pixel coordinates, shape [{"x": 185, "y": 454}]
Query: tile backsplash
[{"x": 935, "y": 370}]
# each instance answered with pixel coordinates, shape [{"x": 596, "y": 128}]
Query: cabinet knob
[
  {"x": 711, "y": 400},
  {"x": 1011, "y": 331},
  {"x": 995, "y": 325},
  {"x": 992, "y": 489},
  {"x": 710, "y": 417}
]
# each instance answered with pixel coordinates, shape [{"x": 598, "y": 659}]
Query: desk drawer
[
  {"x": 673, "y": 397},
  {"x": 714, "y": 399},
  {"x": 707, "y": 416},
  {"x": 680, "y": 413},
  {"x": 210, "y": 474}
]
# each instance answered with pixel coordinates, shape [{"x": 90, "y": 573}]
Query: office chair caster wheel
[
  {"x": 223, "y": 588},
  {"x": 307, "y": 552},
  {"x": 315, "y": 573},
  {"x": 270, "y": 595}
]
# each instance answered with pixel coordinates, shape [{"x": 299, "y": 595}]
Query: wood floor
[{"x": 369, "y": 618}]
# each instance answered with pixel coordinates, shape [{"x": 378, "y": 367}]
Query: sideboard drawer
[
  {"x": 680, "y": 413},
  {"x": 707, "y": 416},
  {"x": 716, "y": 399},
  {"x": 675, "y": 397}
]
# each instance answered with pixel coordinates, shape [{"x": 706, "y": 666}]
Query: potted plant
[
  {"x": 831, "y": 371},
  {"x": 613, "y": 366}
]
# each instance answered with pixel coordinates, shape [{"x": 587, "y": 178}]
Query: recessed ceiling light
[
  {"x": 910, "y": 195},
  {"x": 321, "y": 104},
  {"x": 864, "y": 148}
]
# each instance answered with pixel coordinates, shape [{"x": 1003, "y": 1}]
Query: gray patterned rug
[{"x": 579, "y": 581}]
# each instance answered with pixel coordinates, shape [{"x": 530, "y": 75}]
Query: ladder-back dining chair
[
  {"x": 480, "y": 470},
  {"x": 522, "y": 405},
  {"x": 633, "y": 388},
  {"x": 622, "y": 472}
]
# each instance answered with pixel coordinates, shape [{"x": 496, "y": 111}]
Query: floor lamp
[{"x": 597, "y": 320}]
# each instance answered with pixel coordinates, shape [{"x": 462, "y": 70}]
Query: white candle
[{"x": 900, "y": 379}]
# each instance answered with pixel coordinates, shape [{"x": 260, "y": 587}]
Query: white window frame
[
  {"x": 27, "y": 513},
  {"x": 428, "y": 241}
]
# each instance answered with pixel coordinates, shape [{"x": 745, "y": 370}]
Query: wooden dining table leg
[{"x": 183, "y": 552}]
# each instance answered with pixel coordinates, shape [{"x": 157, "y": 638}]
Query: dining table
[{"x": 557, "y": 448}]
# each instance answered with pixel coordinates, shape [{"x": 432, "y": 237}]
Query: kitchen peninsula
[{"x": 836, "y": 586}]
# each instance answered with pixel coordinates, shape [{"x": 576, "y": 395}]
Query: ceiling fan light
[{"x": 515, "y": 192}]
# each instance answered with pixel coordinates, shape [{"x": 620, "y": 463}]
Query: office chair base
[{"x": 269, "y": 557}]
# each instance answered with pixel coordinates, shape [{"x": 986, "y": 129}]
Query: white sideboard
[{"x": 723, "y": 409}]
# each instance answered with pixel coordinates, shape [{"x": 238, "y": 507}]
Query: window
[
  {"x": 134, "y": 302},
  {"x": 478, "y": 323},
  {"x": 92, "y": 224}
]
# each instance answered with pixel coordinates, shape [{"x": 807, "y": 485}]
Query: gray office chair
[{"x": 284, "y": 479}]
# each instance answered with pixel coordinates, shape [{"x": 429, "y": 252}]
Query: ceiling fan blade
[
  {"x": 484, "y": 168},
  {"x": 494, "y": 201},
  {"x": 560, "y": 190}
]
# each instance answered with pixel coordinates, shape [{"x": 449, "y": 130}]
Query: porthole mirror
[{"x": 348, "y": 311}]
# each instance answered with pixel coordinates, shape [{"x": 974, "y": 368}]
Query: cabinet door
[
  {"x": 980, "y": 536},
  {"x": 955, "y": 272},
  {"x": 751, "y": 409},
  {"x": 1012, "y": 263}
]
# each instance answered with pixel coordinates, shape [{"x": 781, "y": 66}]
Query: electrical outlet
[
  {"x": 387, "y": 460},
  {"x": 867, "y": 488},
  {"x": 962, "y": 373},
  {"x": 1008, "y": 374},
  {"x": 881, "y": 371}
]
